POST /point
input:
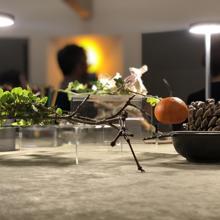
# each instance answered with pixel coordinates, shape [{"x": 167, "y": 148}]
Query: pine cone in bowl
[
  {"x": 204, "y": 116},
  {"x": 201, "y": 143}
]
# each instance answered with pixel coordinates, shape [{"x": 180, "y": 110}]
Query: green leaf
[
  {"x": 1, "y": 91},
  {"x": 43, "y": 100},
  {"x": 23, "y": 104},
  {"x": 153, "y": 100},
  {"x": 34, "y": 108},
  {"x": 76, "y": 86},
  {"x": 59, "y": 111},
  {"x": 29, "y": 88},
  {"x": 119, "y": 82},
  {"x": 17, "y": 91}
]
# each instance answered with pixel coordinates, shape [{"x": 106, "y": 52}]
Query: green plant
[
  {"x": 115, "y": 86},
  {"x": 25, "y": 108}
]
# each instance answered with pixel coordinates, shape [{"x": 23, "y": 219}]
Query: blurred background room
[{"x": 115, "y": 34}]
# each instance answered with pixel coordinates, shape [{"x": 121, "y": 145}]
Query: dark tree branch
[
  {"x": 116, "y": 121},
  {"x": 79, "y": 106},
  {"x": 123, "y": 108}
]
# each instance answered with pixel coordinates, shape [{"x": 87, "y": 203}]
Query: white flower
[
  {"x": 134, "y": 81},
  {"x": 94, "y": 88},
  {"x": 104, "y": 81},
  {"x": 117, "y": 76},
  {"x": 110, "y": 82}
]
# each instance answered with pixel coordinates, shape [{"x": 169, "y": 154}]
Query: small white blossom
[
  {"x": 134, "y": 81},
  {"x": 104, "y": 81},
  {"x": 117, "y": 76},
  {"x": 94, "y": 88}
]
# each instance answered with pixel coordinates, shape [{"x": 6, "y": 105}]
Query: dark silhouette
[
  {"x": 215, "y": 75},
  {"x": 73, "y": 63},
  {"x": 12, "y": 78}
]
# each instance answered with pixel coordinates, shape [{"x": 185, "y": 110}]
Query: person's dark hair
[
  {"x": 215, "y": 57},
  {"x": 69, "y": 57}
]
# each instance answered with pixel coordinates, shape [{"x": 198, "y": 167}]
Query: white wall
[
  {"x": 151, "y": 15},
  {"x": 131, "y": 18},
  {"x": 40, "y": 21}
]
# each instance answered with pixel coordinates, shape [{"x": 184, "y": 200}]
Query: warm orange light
[
  {"x": 93, "y": 51},
  {"x": 104, "y": 54}
]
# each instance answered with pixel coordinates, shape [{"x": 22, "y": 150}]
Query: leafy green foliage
[
  {"x": 153, "y": 100},
  {"x": 78, "y": 87},
  {"x": 115, "y": 86},
  {"x": 59, "y": 111},
  {"x": 119, "y": 82},
  {"x": 25, "y": 108}
]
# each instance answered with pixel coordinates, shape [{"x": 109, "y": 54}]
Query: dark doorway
[
  {"x": 177, "y": 57},
  {"x": 14, "y": 56}
]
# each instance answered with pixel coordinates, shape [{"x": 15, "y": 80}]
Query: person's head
[{"x": 72, "y": 61}]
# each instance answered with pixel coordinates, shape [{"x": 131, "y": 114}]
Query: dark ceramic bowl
[{"x": 197, "y": 146}]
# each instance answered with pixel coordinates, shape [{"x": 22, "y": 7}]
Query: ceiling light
[{"x": 6, "y": 19}]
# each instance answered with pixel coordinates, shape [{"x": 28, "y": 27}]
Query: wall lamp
[{"x": 207, "y": 29}]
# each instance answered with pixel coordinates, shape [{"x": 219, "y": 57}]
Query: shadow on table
[
  {"x": 39, "y": 160},
  {"x": 147, "y": 159},
  {"x": 175, "y": 161}
]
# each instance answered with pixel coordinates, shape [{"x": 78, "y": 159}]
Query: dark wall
[
  {"x": 14, "y": 55},
  {"x": 176, "y": 56}
]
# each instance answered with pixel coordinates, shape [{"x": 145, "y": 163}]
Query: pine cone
[{"x": 204, "y": 116}]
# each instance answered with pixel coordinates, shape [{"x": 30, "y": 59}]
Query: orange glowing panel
[
  {"x": 93, "y": 51},
  {"x": 104, "y": 53}
]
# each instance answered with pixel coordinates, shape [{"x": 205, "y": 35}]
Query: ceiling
[
  {"x": 152, "y": 15},
  {"x": 41, "y": 14},
  {"x": 112, "y": 15}
]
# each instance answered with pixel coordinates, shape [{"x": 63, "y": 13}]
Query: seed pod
[
  {"x": 193, "y": 104},
  {"x": 210, "y": 101},
  {"x": 217, "y": 121},
  {"x": 217, "y": 112},
  {"x": 200, "y": 104},
  {"x": 191, "y": 114},
  {"x": 199, "y": 112},
  {"x": 204, "y": 115},
  {"x": 198, "y": 122},
  {"x": 212, "y": 121},
  {"x": 204, "y": 123},
  {"x": 216, "y": 128},
  {"x": 207, "y": 113}
]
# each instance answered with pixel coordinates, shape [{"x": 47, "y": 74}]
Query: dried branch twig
[{"x": 116, "y": 121}]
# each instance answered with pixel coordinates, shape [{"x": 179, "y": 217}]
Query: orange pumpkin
[{"x": 171, "y": 110}]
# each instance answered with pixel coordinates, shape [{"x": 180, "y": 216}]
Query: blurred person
[
  {"x": 215, "y": 75},
  {"x": 72, "y": 61}
]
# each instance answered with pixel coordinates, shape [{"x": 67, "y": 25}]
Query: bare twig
[
  {"x": 79, "y": 106},
  {"x": 123, "y": 133},
  {"x": 141, "y": 110},
  {"x": 123, "y": 108},
  {"x": 116, "y": 121}
]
